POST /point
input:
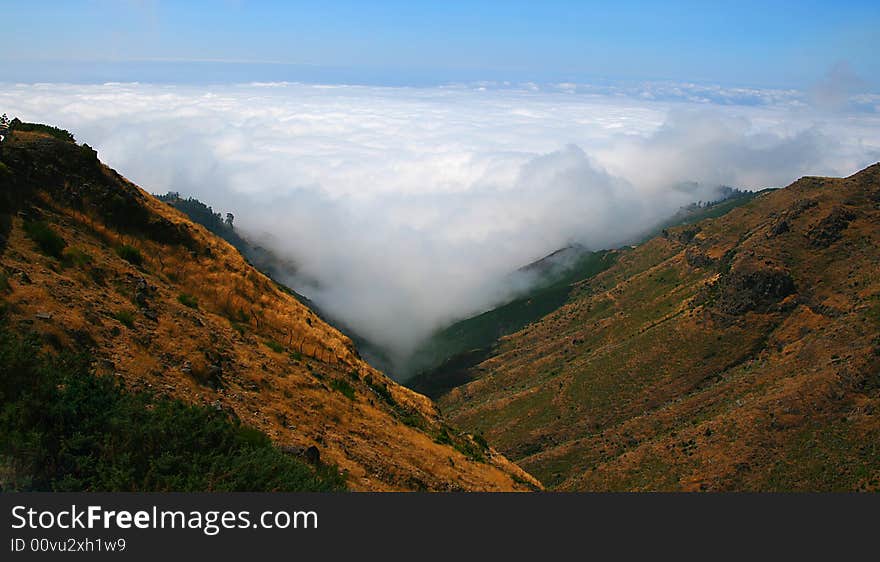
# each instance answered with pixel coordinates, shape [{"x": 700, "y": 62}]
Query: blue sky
[{"x": 771, "y": 44}]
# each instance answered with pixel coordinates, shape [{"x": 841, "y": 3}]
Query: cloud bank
[{"x": 406, "y": 208}]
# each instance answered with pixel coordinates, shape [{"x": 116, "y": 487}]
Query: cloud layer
[{"x": 408, "y": 207}]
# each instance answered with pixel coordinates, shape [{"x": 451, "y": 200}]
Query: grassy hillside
[
  {"x": 275, "y": 267},
  {"x": 66, "y": 429},
  {"x": 695, "y": 213},
  {"x": 447, "y": 358},
  {"x": 737, "y": 353},
  {"x": 265, "y": 260},
  {"x": 89, "y": 260}
]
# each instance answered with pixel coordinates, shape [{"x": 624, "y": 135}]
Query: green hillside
[{"x": 443, "y": 362}]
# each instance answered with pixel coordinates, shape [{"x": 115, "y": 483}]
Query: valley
[
  {"x": 92, "y": 262},
  {"x": 735, "y": 353},
  {"x": 734, "y": 347}
]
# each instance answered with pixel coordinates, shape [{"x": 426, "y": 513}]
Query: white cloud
[{"x": 409, "y": 206}]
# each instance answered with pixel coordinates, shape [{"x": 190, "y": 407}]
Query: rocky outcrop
[
  {"x": 748, "y": 287},
  {"x": 829, "y": 229}
]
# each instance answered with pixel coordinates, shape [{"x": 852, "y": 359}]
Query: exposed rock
[
  {"x": 748, "y": 288},
  {"x": 684, "y": 236},
  {"x": 310, "y": 454},
  {"x": 142, "y": 292},
  {"x": 801, "y": 205},
  {"x": 830, "y": 229},
  {"x": 781, "y": 226},
  {"x": 44, "y": 316},
  {"x": 698, "y": 259}
]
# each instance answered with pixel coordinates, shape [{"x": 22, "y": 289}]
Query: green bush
[
  {"x": 188, "y": 300},
  {"x": 381, "y": 390},
  {"x": 130, "y": 254},
  {"x": 48, "y": 241},
  {"x": 58, "y": 133},
  {"x": 126, "y": 317},
  {"x": 66, "y": 429},
  {"x": 75, "y": 256},
  {"x": 274, "y": 346},
  {"x": 344, "y": 387}
]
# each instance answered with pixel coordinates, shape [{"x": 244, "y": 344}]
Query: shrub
[
  {"x": 274, "y": 346},
  {"x": 481, "y": 441},
  {"x": 443, "y": 437},
  {"x": 75, "y": 256},
  {"x": 66, "y": 429},
  {"x": 48, "y": 241},
  {"x": 58, "y": 133},
  {"x": 188, "y": 300},
  {"x": 381, "y": 389},
  {"x": 344, "y": 387},
  {"x": 130, "y": 254},
  {"x": 126, "y": 317}
]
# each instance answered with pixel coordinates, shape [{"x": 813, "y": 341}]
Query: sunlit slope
[
  {"x": 91, "y": 260},
  {"x": 738, "y": 353}
]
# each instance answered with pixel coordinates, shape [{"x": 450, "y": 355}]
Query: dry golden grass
[
  {"x": 651, "y": 378},
  {"x": 220, "y": 351}
]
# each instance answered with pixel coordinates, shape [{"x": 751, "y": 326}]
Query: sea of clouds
[{"x": 408, "y": 208}]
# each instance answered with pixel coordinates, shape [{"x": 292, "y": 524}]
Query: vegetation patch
[
  {"x": 130, "y": 254},
  {"x": 381, "y": 390},
  {"x": 188, "y": 300},
  {"x": 47, "y": 240},
  {"x": 274, "y": 346},
  {"x": 76, "y": 257},
  {"x": 126, "y": 317},
  {"x": 57, "y": 132},
  {"x": 66, "y": 429},
  {"x": 343, "y": 387}
]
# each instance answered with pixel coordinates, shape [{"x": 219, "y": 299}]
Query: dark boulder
[
  {"x": 830, "y": 229},
  {"x": 781, "y": 226},
  {"x": 746, "y": 288},
  {"x": 697, "y": 258}
]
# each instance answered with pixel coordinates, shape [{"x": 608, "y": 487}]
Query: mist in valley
[{"x": 405, "y": 209}]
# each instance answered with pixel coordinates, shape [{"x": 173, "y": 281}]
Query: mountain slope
[
  {"x": 91, "y": 260},
  {"x": 446, "y": 360},
  {"x": 738, "y": 353}
]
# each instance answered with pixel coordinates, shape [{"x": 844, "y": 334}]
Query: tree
[
  {"x": 229, "y": 218},
  {"x": 4, "y": 121}
]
